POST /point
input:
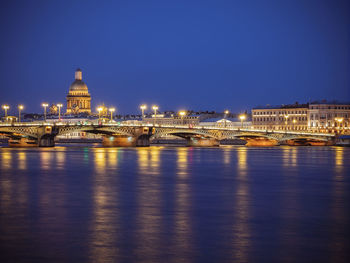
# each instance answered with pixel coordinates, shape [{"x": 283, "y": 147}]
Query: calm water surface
[{"x": 174, "y": 204}]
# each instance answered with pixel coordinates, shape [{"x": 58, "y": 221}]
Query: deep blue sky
[{"x": 178, "y": 54}]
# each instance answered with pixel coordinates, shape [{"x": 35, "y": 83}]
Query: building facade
[
  {"x": 329, "y": 117},
  {"x": 78, "y": 98},
  {"x": 286, "y": 117},
  {"x": 316, "y": 116}
]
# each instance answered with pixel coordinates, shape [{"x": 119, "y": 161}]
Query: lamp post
[
  {"x": 99, "y": 109},
  {"x": 111, "y": 111},
  {"x": 20, "y": 108},
  {"x": 59, "y": 105},
  {"x": 5, "y": 107},
  {"x": 242, "y": 118},
  {"x": 155, "y": 108},
  {"x": 45, "y": 105},
  {"x": 182, "y": 114},
  {"x": 143, "y": 107},
  {"x": 225, "y": 116}
]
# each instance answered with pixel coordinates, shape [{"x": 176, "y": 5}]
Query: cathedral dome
[{"x": 78, "y": 85}]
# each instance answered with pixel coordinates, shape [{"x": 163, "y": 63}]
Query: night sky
[{"x": 200, "y": 55}]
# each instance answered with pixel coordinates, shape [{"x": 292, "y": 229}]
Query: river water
[{"x": 84, "y": 203}]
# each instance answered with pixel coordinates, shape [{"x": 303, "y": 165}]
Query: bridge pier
[
  {"x": 125, "y": 141},
  {"x": 202, "y": 142},
  {"x": 46, "y": 141},
  {"x": 260, "y": 141}
]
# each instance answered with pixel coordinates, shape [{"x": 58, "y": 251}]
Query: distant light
[
  {"x": 143, "y": 107},
  {"x": 182, "y": 113},
  {"x": 20, "y": 107},
  {"x": 155, "y": 107},
  {"x": 242, "y": 117},
  {"x": 45, "y": 105},
  {"x": 226, "y": 112}
]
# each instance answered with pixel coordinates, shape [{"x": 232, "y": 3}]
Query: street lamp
[
  {"x": 99, "y": 109},
  {"x": 20, "y": 108},
  {"x": 143, "y": 107},
  {"x": 59, "y": 105},
  {"x": 5, "y": 107},
  {"x": 182, "y": 114},
  {"x": 155, "y": 108},
  {"x": 45, "y": 105},
  {"x": 226, "y": 113},
  {"x": 111, "y": 110},
  {"x": 242, "y": 118},
  {"x": 294, "y": 122}
]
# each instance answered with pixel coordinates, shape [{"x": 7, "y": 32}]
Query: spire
[{"x": 78, "y": 74}]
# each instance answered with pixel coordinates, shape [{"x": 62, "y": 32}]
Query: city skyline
[{"x": 202, "y": 56}]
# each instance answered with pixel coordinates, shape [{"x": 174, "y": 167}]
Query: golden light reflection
[
  {"x": 339, "y": 156},
  {"x": 46, "y": 159},
  {"x": 61, "y": 158},
  {"x": 242, "y": 159},
  {"x": 227, "y": 155},
  {"x": 289, "y": 156},
  {"x": 6, "y": 159},
  {"x": 182, "y": 206},
  {"x": 100, "y": 160},
  {"x": 149, "y": 160},
  {"x": 22, "y": 160},
  {"x": 241, "y": 230},
  {"x": 105, "y": 215},
  {"x": 112, "y": 157},
  {"x": 339, "y": 207},
  {"x": 149, "y": 214},
  {"x": 182, "y": 160}
]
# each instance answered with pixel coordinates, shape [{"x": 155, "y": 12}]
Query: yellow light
[
  {"x": 59, "y": 105},
  {"x": 5, "y": 107},
  {"x": 242, "y": 117},
  {"x": 111, "y": 109},
  {"x": 339, "y": 119},
  {"x": 143, "y": 107},
  {"x": 20, "y": 107},
  {"x": 99, "y": 109},
  {"x": 294, "y": 121},
  {"x": 155, "y": 107},
  {"x": 286, "y": 116},
  {"x": 227, "y": 112},
  {"x": 45, "y": 105},
  {"x": 182, "y": 113}
]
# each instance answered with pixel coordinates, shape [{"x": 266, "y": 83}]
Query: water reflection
[
  {"x": 61, "y": 158},
  {"x": 338, "y": 212},
  {"x": 6, "y": 159},
  {"x": 46, "y": 159},
  {"x": 22, "y": 160},
  {"x": 105, "y": 215},
  {"x": 149, "y": 217},
  {"x": 241, "y": 229},
  {"x": 289, "y": 156},
  {"x": 183, "y": 228}
]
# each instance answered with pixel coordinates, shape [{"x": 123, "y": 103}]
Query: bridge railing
[{"x": 187, "y": 127}]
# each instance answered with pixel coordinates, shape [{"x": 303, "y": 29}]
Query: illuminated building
[
  {"x": 285, "y": 117},
  {"x": 316, "y": 116},
  {"x": 78, "y": 98},
  {"x": 325, "y": 116}
]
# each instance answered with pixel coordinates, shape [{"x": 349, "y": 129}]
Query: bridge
[{"x": 43, "y": 134}]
